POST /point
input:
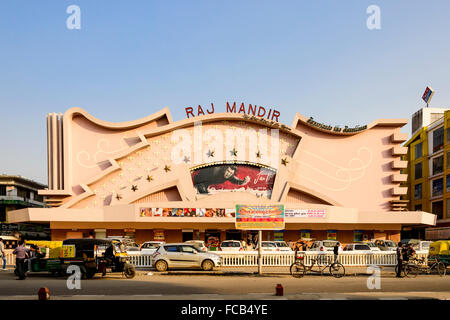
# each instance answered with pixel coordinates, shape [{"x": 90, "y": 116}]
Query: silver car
[{"x": 182, "y": 255}]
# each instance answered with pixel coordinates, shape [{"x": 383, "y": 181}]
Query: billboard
[
  {"x": 234, "y": 177},
  {"x": 260, "y": 217}
]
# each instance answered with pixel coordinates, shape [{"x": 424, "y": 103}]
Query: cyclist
[
  {"x": 410, "y": 252},
  {"x": 399, "y": 260}
]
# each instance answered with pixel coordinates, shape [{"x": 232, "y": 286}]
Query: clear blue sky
[{"x": 132, "y": 58}]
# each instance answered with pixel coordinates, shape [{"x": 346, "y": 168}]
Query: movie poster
[
  {"x": 234, "y": 177},
  {"x": 146, "y": 212}
]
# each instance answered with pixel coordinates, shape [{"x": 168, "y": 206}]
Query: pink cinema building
[{"x": 156, "y": 179}]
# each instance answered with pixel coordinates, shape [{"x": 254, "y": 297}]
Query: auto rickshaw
[
  {"x": 46, "y": 257},
  {"x": 96, "y": 256},
  {"x": 440, "y": 250}
]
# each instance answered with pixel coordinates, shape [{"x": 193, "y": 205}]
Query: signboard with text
[
  {"x": 260, "y": 217},
  {"x": 305, "y": 213},
  {"x": 68, "y": 251}
]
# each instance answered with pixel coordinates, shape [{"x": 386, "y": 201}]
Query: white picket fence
[
  {"x": 278, "y": 259},
  {"x": 250, "y": 259}
]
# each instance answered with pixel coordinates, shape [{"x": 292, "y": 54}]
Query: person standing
[
  {"x": 3, "y": 254},
  {"x": 399, "y": 260},
  {"x": 21, "y": 255},
  {"x": 336, "y": 252}
]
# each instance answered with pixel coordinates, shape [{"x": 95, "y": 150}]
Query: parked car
[
  {"x": 283, "y": 246},
  {"x": 198, "y": 243},
  {"x": 357, "y": 248},
  {"x": 324, "y": 245},
  {"x": 231, "y": 245},
  {"x": 418, "y": 245},
  {"x": 386, "y": 245},
  {"x": 373, "y": 247},
  {"x": 148, "y": 247},
  {"x": 182, "y": 255},
  {"x": 268, "y": 246}
]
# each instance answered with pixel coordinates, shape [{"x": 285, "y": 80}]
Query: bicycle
[
  {"x": 433, "y": 265},
  {"x": 298, "y": 269}
]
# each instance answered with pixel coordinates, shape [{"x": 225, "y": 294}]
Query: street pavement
[{"x": 228, "y": 285}]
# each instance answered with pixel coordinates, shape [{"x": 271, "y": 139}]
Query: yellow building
[{"x": 429, "y": 167}]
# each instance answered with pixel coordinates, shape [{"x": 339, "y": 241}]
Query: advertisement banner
[
  {"x": 305, "y": 234},
  {"x": 158, "y": 235},
  {"x": 187, "y": 212},
  {"x": 332, "y": 235},
  {"x": 260, "y": 217},
  {"x": 234, "y": 177},
  {"x": 305, "y": 213},
  {"x": 68, "y": 251},
  {"x": 278, "y": 235}
]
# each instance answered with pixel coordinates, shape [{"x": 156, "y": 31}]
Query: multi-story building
[
  {"x": 429, "y": 170},
  {"x": 17, "y": 192}
]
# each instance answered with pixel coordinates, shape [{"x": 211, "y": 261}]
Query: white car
[
  {"x": 357, "y": 248},
  {"x": 268, "y": 246},
  {"x": 182, "y": 255},
  {"x": 150, "y": 247},
  {"x": 283, "y": 246},
  {"x": 324, "y": 245},
  {"x": 231, "y": 245},
  {"x": 198, "y": 243},
  {"x": 373, "y": 247},
  {"x": 386, "y": 245}
]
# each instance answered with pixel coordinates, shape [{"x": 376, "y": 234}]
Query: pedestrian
[
  {"x": 304, "y": 247},
  {"x": 32, "y": 256},
  {"x": 336, "y": 252},
  {"x": 399, "y": 260},
  {"x": 3, "y": 254},
  {"x": 21, "y": 254}
]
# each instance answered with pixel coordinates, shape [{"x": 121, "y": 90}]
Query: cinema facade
[{"x": 156, "y": 179}]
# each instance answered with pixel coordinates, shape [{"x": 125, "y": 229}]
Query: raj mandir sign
[{"x": 254, "y": 110}]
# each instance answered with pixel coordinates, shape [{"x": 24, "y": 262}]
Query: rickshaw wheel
[
  {"x": 90, "y": 273},
  {"x": 129, "y": 272},
  {"x": 441, "y": 269}
]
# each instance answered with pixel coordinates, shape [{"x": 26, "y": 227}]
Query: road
[{"x": 198, "y": 285}]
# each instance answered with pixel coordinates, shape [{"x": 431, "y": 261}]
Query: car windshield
[
  {"x": 119, "y": 247},
  {"x": 361, "y": 247},
  {"x": 269, "y": 244},
  {"x": 189, "y": 249},
  {"x": 425, "y": 245},
  {"x": 281, "y": 244},
  {"x": 230, "y": 244},
  {"x": 371, "y": 244},
  {"x": 390, "y": 244},
  {"x": 329, "y": 243}
]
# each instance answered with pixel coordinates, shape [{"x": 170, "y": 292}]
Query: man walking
[
  {"x": 336, "y": 252},
  {"x": 21, "y": 255},
  {"x": 399, "y": 260},
  {"x": 3, "y": 254}
]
